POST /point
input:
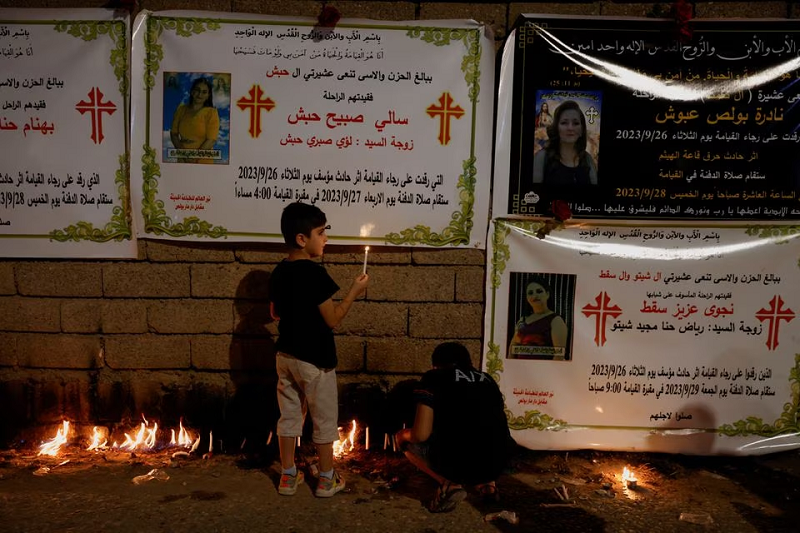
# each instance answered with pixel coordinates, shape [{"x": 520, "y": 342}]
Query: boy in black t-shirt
[
  {"x": 300, "y": 299},
  {"x": 460, "y": 434}
]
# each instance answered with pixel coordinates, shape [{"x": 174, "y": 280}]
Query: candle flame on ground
[
  {"x": 184, "y": 437},
  {"x": 145, "y": 438},
  {"x": 628, "y": 475},
  {"x": 53, "y": 446},
  {"x": 97, "y": 436},
  {"x": 343, "y": 446}
]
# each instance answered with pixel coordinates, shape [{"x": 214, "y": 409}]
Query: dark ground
[{"x": 94, "y": 492}]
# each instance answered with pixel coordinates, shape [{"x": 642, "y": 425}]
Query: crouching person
[{"x": 460, "y": 434}]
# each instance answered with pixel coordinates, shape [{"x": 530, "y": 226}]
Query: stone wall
[{"x": 183, "y": 330}]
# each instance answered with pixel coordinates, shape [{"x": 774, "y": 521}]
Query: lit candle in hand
[{"x": 366, "y": 252}]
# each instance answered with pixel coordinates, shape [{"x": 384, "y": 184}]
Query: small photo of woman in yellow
[{"x": 199, "y": 125}]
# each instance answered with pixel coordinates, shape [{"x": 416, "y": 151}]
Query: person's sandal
[{"x": 446, "y": 498}]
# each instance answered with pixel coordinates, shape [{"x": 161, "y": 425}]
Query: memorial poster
[
  {"x": 647, "y": 338},
  {"x": 63, "y": 124},
  {"x": 386, "y": 126},
  {"x": 623, "y": 120}
]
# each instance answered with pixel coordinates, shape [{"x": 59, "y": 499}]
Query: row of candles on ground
[
  {"x": 146, "y": 438},
  {"x": 347, "y": 444}
]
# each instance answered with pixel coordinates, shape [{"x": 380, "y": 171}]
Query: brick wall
[{"x": 183, "y": 329}]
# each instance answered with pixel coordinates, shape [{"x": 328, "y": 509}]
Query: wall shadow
[
  {"x": 774, "y": 478},
  {"x": 695, "y": 432},
  {"x": 366, "y": 403},
  {"x": 252, "y": 410},
  {"x": 401, "y": 406}
]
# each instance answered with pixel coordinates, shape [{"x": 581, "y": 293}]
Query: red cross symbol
[
  {"x": 445, "y": 112},
  {"x": 96, "y": 107},
  {"x": 774, "y": 315},
  {"x": 255, "y": 104},
  {"x": 601, "y": 311}
]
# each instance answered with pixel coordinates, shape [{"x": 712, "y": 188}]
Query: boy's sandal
[
  {"x": 489, "y": 492},
  {"x": 446, "y": 499}
]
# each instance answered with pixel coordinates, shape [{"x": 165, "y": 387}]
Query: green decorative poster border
[
  {"x": 119, "y": 227},
  {"x": 155, "y": 216},
  {"x": 460, "y": 227},
  {"x": 773, "y": 231},
  {"x": 787, "y": 423},
  {"x": 501, "y": 253},
  {"x": 91, "y": 30},
  {"x": 158, "y": 222}
]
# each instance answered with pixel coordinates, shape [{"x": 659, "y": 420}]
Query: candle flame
[
  {"x": 343, "y": 446},
  {"x": 53, "y": 446},
  {"x": 98, "y": 442},
  {"x": 184, "y": 438},
  {"x": 628, "y": 475},
  {"x": 145, "y": 438}
]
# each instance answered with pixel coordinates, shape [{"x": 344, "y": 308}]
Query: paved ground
[{"x": 95, "y": 493}]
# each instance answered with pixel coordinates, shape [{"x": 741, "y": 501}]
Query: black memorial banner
[{"x": 621, "y": 120}]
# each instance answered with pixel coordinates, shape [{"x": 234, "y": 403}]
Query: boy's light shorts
[{"x": 300, "y": 384}]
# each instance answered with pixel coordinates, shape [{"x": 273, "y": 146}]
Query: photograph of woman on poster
[
  {"x": 543, "y": 117},
  {"x": 195, "y": 124},
  {"x": 564, "y": 159},
  {"x": 540, "y": 331}
]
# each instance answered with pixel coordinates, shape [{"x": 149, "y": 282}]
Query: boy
[
  {"x": 460, "y": 433},
  {"x": 300, "y": 298}
]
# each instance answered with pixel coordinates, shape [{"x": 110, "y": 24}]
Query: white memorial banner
[
  {"x": 63, "y": 125},
  {"x": 664, "y": 339},
  {"x": 386, "y": 126}
]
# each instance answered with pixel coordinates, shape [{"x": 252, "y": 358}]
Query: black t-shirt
[
  {"x": 297, "y": 288},
  {"x": 470, "y": 440}
]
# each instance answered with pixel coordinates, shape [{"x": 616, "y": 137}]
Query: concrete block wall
[
  {"x": 184, "y": 328},
  {"x": 109, "y": 341}
]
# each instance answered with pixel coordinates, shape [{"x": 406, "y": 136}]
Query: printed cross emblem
[
  {"x": 601, "y": 310},
  {"x": 445, "y": 111},
  {"x": 774, "y": 315},
  {"x": 96, "y": 107},
  {"x": 255, "y": 104},
  {"x": 591, "y": 114}
]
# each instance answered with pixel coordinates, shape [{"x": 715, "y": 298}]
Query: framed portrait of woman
[
  {"x": 584, "y": 107},
  {"x": 540, "y": 316},
  {"x": 196, "y": 126}
]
